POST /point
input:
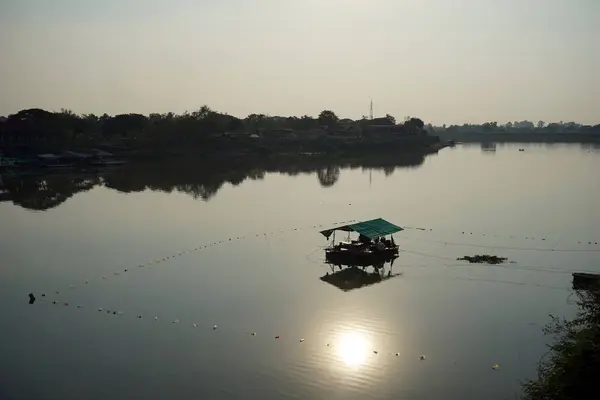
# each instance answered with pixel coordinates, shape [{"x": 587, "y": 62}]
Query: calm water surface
[{"x": 364, "y": 343}]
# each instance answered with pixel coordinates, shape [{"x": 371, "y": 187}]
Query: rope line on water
[
  {"x": 198, "y": 248},
  {"x": 192, "y": 325},
  {"x": 532, "y": 268},
  {"x": 594, "y": 242},
  {"x": 500, "y": 247},
  {"x": 276, "y": 337}
]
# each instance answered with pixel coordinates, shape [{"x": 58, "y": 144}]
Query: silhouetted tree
[
  {"x": 328, "y": 117},
  {"x": 390, "y": 118}
]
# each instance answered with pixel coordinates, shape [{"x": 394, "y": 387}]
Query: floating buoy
[
  {"x": 87, "y": 281},
  {"x": 253, "y": 334},
  {"x": 53, "y": 301},
  {"x": 215, "y": 327},
  {"x": 43, "y": 295},
  {"x": 100, "y": 309},
  {"x": 79, "y": 306},
  {"x": 140, "y": 316},
  {"x": 375, "y": 352},
  {"x": 176, "y": 321},
  {"x": 277, "y": 337},
  {"x": 65, "y": 304},
  {"x": 397, "y": 354},
  {"x": 421, "y": 357},
  {"x": 156, "y": 318},
  {"x": 195, "y": 325},
  {"x": 495, "y": 366},
  {"x": 301, "y": 340}
]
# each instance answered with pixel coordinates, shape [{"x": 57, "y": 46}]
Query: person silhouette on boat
[{"x": 363, "y": 239}]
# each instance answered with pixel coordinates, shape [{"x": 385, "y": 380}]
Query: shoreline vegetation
[
  {"x": 570, "y": 368},
  {"x": 206, "y": 132}
]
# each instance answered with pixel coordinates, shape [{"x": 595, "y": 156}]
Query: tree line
[
  {"x": 65, "y": 125},
  {"x": 516, "y": 127}
]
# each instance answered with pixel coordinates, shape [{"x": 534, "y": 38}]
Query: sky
[{"x": 444, "y": 61}]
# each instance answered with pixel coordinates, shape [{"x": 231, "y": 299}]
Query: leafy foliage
[{"x": 573, "y": 363}]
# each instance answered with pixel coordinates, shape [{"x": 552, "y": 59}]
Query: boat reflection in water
[{"x": 350, "y": 277}]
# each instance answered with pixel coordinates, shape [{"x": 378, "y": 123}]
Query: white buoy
[{"x": 215, "y": 327}]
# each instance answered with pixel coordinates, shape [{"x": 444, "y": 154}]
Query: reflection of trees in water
[
  {"x": 201, "y": 180},
  {"x": 42, "y": 192},
  {"x": 328, "y": 176},
  {"x": 488, "y": 147},
  {"x": 389, "y": 170},
  {"x": 199, "y": 191}
]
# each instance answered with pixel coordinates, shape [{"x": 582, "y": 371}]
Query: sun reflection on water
[{"x": 352, "y": 348}]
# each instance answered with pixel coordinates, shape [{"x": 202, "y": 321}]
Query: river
[{"x": 172, "y": 281}]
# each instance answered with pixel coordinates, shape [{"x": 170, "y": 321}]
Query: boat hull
[{"x": 360, "y": 258}]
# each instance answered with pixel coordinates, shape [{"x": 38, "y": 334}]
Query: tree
[
  {"x": 540, "y": 124},
  {"x": 391, "y": 119},
  {"x": 328, "y": 117},
  {"x": 255, "y": 122},
  {"x": 570, "y": 368}
]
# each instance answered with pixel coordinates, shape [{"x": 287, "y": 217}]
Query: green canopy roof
[{"x": 371, "y": 229}]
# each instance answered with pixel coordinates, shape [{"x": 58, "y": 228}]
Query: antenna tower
[{"x": 371, "y": 110}]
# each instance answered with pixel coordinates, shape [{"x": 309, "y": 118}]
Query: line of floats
[{"x": 371, "y": 248}]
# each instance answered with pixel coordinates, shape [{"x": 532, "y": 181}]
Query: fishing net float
[{"x": 195, "y": 249}]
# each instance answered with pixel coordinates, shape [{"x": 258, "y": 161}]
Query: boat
[
  {"x": 107, "y": 163},
  {"x": 52, "y": 161},
  {"x": 585, "y": 281},
  {"x": 371, "y": 248},
  {"x": 104, "y": 159}
]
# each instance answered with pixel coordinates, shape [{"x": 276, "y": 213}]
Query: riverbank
[
  {"x": 572, "y": 364},
  {"x": 88, "y": 154},
  {"x": 503, "y": 137}
]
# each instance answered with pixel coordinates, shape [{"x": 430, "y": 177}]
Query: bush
[{"x": 573, "y": 363}]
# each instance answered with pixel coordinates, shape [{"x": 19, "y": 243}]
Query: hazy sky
[{"x": 445, "y": 61}]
